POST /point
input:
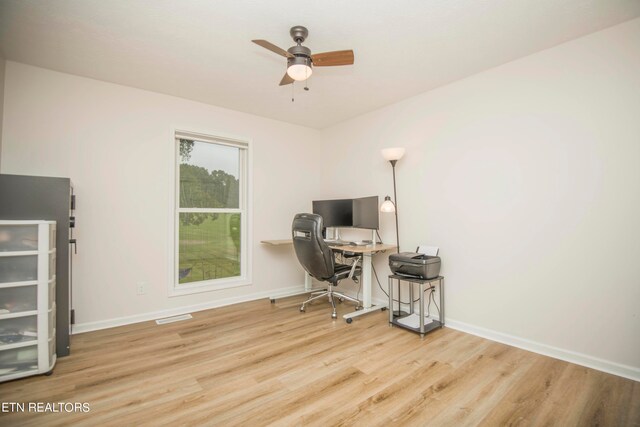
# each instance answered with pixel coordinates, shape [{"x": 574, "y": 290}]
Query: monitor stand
[{"x": 333, "y": 233}]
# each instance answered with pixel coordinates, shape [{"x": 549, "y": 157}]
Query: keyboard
[
  {"x": 337, "y": 242},
  {"x": 361, "y": 243},
  {"x": 345, "y": 243}
]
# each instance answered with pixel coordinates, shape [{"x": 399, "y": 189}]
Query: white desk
[{"x": 367, "y": 253}]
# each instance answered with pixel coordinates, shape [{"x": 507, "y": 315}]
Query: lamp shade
[
  {"x": 387, "y": 205},
  {"x": 394, "y": 153},
  {"x": 299, "y": 68}
]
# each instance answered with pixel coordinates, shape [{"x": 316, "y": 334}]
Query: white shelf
[
  {"x": 18, "y": 314},
  {"x": 17, "y": 284},
  {"x": 19, "y": 374},
  {"x": 35, "y": 354},
  {"x": 18, "y": 253},
  {"x": 18, "y": 345},
  {"x": 25, "y": 222}
]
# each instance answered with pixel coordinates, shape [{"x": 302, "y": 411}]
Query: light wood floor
[{"x": 258, "y": 363}]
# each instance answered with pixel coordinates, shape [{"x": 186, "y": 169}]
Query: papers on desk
[
  {"x": 428, "y": 250},
  {"x": 413, "y": 320}
]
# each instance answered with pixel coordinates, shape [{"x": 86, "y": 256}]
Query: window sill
[{"x": 208, "y": 286}]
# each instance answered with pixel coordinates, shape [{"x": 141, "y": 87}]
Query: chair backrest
[{"x": 313, "y": 253}]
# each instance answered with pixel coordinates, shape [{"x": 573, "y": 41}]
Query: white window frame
[{"x": 244, "y": 172}]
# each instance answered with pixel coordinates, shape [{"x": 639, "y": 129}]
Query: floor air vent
[{"x": 174, "y": 319}]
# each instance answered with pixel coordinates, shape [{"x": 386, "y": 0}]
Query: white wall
[
  {"x": 115, "y": 143},
  {"x": 528, "y": 178}
]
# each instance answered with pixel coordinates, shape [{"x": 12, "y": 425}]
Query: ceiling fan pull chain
[{"x": 292, "y": 93}]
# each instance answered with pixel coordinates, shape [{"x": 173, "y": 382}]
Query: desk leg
[
  {"x": 367, "y": 290},
  {"x": 366, "y": 281}
]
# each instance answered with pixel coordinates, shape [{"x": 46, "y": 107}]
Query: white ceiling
[{"x": 202, "y": 50}]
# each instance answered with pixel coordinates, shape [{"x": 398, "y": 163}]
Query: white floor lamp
[{"x": 393, "y": 155}]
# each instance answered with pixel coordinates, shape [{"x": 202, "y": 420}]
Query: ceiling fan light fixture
[{"x": 299, "y": 68}]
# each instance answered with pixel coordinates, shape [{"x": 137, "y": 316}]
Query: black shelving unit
[{"x": 422, "y": 329}]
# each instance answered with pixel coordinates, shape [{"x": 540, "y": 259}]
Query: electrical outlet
[{"x": 141, "y": 288}]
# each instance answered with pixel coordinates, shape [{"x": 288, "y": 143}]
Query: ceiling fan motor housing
[
  {"x": 302, "y": 60},
  {"x": 300, "y": 51},
  {"x": 301, "y": 55},
  {"x": 299, "y": 33}
]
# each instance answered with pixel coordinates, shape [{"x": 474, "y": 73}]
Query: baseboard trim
[
  {"x": 153, "y": 315},
  {"x": 607, "y": 366}
]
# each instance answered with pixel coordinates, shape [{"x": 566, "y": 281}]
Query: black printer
[{"x": 414, "y": 264}]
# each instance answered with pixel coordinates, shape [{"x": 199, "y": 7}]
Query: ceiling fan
[{"x": 300, "y": 61}]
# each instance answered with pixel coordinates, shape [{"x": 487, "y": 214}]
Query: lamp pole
[{"x": 395, "y": 201}]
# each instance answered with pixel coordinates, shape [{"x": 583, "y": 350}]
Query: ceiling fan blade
[
  {"x": 329, "y": 59},
  {"x": 286, "y": 80},
  {"x": 273, "y": 48}
]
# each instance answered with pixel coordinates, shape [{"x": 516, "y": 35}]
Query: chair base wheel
[
  {"x": 273, "y": 301},
  {"x": 349, "y": 320},
  {"x": 334, "y": 316},
  {"x": 302, "y": 309}
]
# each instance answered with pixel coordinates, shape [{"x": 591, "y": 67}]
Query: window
[{"x": 211, "y": 220}]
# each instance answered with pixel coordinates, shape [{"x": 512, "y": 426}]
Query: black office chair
[{"x": 316, "y": 257}]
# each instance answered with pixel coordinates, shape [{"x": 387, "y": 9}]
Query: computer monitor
[
  {"x": 334, "y": 213},
  {"x": 365, "y": 213}
]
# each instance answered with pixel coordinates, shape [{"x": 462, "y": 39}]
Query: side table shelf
[{"x": 407, "y": 321}]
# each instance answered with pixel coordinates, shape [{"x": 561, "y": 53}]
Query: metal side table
[{"x": 421, "y": 329}]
